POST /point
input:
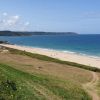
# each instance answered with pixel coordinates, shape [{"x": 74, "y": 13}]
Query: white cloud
[
  {"x": 25, "y": 26},
  {"x": 12, "y": 22},
  {"x": 15, "y": 17},
  {"x": 2, "y": 21},
  {"x": 27, "y": 23},
  {"x": 5, "y": 14}
]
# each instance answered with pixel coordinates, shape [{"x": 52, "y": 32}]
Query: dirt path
[{"x": 90, "y": 87}]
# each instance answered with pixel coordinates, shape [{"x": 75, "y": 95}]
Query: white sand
[{"x": 72, "y": 57}]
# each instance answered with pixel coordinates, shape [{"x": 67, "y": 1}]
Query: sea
[{"x": 87, "y": 44}]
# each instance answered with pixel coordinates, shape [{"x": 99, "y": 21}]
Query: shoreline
[
  {"x": 61, "y": 51},
  {"x": 65, "y": 56}
]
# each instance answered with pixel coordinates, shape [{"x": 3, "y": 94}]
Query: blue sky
[{"x": 81, "y": 16}]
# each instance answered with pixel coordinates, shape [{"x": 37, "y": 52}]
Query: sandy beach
[{"x": 72, "y": 57}]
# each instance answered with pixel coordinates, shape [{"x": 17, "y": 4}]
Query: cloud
[
  {"x": 12, "y": 22},
  {"x": 27, "y": 23},
  {"x": 5, "y": 14},
  {"x": 25, "y": 26},
  {"x": 15, "y": 17}
]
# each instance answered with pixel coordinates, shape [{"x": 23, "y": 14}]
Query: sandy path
[{"x": 90, "y": 87}]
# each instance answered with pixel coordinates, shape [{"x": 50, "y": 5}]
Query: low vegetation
[
  {"x": 18, "y": 85},
  {"x": 46, "y": 58},
  {"x": 28, "y": 76},
  {"x": 97, "y": 87}
]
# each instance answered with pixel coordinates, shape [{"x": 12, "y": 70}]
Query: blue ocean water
[{"x": 84, "y": 44}]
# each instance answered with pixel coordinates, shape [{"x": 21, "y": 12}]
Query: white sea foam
[{"x": 63, "y": 51}]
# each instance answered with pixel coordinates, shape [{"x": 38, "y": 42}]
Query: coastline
[{"x": 65, "y": 56}]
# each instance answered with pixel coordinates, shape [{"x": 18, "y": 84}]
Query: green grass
[
  {"x": 18, "y": 85},
  {"x": 97, "y": 87},
  {"x": 46, "y": 58}
]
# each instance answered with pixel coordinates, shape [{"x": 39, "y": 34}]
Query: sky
[{"x": 81, "y": 16}]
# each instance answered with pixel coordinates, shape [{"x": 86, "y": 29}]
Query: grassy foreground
[
  {"x": 46, "y": 58},
  {"x": 18, "y": 85}
]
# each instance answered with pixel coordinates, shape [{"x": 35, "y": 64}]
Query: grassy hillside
[
  {"x": 27, "y": 76},
  {"x": 98, "y": 85},
  {"x": 18, "y": 85}
]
